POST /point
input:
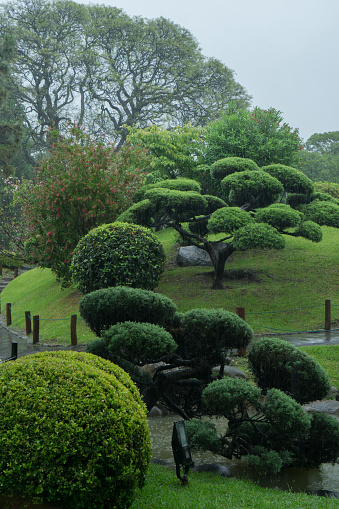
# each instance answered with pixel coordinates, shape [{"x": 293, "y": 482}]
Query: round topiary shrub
[
  {"x": 206, "y": 333},
  {"x": 103, "y": 308},
  {"x": 139, "y": 342},
  {"x": 73, "y": 431},
  {"x": 278, "y": 364},
  {"x": 117, "y": 254},
  {"x": 223, "y": 167}
]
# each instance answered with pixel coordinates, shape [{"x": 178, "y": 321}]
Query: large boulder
[{"x": 192, "y": 255}]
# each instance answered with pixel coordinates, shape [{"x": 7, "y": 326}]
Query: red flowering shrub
[{"x": 79, "y": 185}]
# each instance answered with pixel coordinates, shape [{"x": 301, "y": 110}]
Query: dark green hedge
[{"x": 223, "y": 167}]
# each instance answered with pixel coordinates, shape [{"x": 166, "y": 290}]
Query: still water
[{"x": 294, "y": 479}]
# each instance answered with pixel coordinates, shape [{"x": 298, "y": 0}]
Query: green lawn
[{"x": 207, "y": 491}]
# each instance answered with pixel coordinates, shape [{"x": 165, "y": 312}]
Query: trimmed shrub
[
  {"x": 73, "y": 431},
  {"x": 322, "y": 444},
  {"x": 103, "y": 308},
  {"x": 228, "y": 396},
  {"x": 138, "y": 213},
  {"x": 260, "y": 235},
  {"x": 139, "y": 342},
  {"x": 228, "y": 220},
  {"x": 223, "y": 167},
  {"x": 242, "y": 187},
  {"x": 323, "y": 213},
  {"x": 118, "y": 254},
  {"x": 309, "y": 230},
  {"x": 206, "y": 333},
  {"x": 279, "y": 216},
  {"x": 275, "y": 363},
  {"x": 293, "y": 180}
]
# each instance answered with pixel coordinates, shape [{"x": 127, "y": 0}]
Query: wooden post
[
  {"x": 74, "y": 339},
  {"x": 16, "y": 272},
  {"x": 327, "y": 315},
  {"x": 241, "y": 313},
  {"x": 28, "y": 322},
  {"x": 8, "y": 314},
  {"x": 0, "y": 268},
  {"x": 35, "y": 329}
]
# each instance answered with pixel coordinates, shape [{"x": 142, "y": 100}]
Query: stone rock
[
  {"x": 323, "y": 493},
  {"x": 154, "y": 412},
  {"x": 323, "y": 407},
  {"x": 214, "y": 468},
  {"x": 192, "y": 255},
  {"x": 231, "y": 372}
]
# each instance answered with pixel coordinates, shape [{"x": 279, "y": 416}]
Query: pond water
[{"x": 294, "y": 479}]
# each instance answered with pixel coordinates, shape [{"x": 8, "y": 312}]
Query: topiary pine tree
[
  {"x": 251, "y": 215},
  {"x": 138, "y": 327}
]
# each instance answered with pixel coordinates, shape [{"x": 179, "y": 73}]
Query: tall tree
[
  {"x": 10, "y": 131},
  {"x": 47, "y": 66},
  {"x": 98, "y": 66},
  {"x": 320, "y": 160}
]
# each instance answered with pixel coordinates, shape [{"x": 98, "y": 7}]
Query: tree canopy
[
  {"x": 247, "y": 218},
  {"x": 320, "y": 160},
  {"x": 260, "y": 135},
  {"x": 94, "y": 64}
]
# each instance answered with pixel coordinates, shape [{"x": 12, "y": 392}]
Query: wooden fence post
[
  {"x": 35, "y": 329},
  {"x": 241, "y": 313},
  {"x": 28, "y": 322},
  {"x": 74, "y": 339},
  {"x": 8, "y": 314},
  {"x": 327, "y": 315},
  {"x": 0, "y": 268},
  {"x": 16, "y": 272}
]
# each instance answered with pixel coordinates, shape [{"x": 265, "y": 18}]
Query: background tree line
[{"x": 97, "y": 66}]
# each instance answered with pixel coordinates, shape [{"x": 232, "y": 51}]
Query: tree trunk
[{"x": 219, "y": 253}]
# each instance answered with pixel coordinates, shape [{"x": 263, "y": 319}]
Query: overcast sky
[{"x": 284, "y": 52}]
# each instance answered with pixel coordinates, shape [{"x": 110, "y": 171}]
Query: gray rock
[
  {"x": 154, "y": 412},
  {"x": 214, "y": 468},
  {"x": 323, "y": 407},
  {"x": 231, "y": 372},
  {"x": 192, "y": 255}
]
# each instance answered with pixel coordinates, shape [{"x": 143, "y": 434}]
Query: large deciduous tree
[
  {"x": 98, "y": 66},
  {"x": 260, "y": 135}
]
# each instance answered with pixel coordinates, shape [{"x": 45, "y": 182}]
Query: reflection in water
[{"x": 294, "y": 479}]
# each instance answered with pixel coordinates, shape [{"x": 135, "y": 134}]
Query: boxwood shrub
[
  {"x": 277, "y": 363},
  {"x": 103, "y": 308},
  {"x": 73, "y": 432},
  {"x": 223, "y": 167},
  {"x": 117, "y": 254}
]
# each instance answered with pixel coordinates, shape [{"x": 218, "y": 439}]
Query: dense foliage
[
  {"x": 73, "y": 431},
  {"x": 117, "y": 254},
  {"x": 106, "y": 307},
  {"x": 277, "y": 363},
  {"x": 270, "y": 433},
  {"x": 260, "y": 135},
  {"x": 79, "y": 185}
]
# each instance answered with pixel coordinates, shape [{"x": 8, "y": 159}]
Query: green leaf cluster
[
  {"x": 103, "y": 308},
  {"x": 260, "y": 235},
  {"x": 73, "y": 431},
  {"x": 117, "y": 254},
  {"x": 279, "y": 216},
  {"x": 293, "y": 180},
  {"x": 228, "y": 220},
  {"x": 323, "y": 213},
  {"x": 223, "y": 167},
  {"x": 139, "y": 342},
  {"x": 246, "y": 186},
  {"x": 277, "y": 363}
]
